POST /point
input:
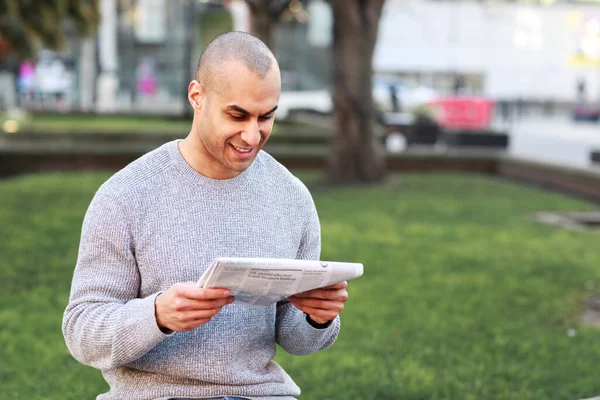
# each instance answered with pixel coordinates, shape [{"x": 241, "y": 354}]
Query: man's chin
[{"x": 241, "y": 166}]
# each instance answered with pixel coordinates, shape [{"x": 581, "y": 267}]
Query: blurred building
[
  {"x": 145, "y": 51},
  {"x": 140, "y": 61},
  {"x": 532, "y": 52},
  {"x": 545, "y": 54}
]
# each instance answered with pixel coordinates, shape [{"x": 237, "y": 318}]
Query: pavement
[{"x": 555, "y": 140}]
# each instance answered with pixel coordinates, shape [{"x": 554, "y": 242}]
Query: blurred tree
[
  {"x": 265, "y": 14},
  {"x": 356, "y": 153},
  {"x": 26, "y": 26},
  {"x": 213, "y": 22}
]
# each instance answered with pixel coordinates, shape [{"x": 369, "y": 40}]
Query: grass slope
[{"x": 463, "y": 297}]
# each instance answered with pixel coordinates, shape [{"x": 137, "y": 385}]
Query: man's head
[{"x": 234, "y": 97}]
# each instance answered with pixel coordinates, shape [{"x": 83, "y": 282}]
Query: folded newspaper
[{"x": 264, "y": 281}]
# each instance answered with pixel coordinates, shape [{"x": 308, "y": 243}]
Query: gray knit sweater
[{"x": 158, "y": 222}]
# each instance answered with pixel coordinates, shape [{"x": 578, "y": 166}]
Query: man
[{"x": 154, "y": 227}]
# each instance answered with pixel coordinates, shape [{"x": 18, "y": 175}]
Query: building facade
[{"x": 504, "y": 51}]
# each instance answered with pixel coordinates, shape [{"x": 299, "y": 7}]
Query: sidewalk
[{"x": 555, "y": 140}]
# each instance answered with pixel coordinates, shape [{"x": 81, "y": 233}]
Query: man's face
[{"x": 236, "y": 119}]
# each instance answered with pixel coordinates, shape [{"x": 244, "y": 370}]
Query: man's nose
[{"x": 251, "y": 135}]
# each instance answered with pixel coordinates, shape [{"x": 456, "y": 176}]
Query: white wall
[{"x": 522, "y": 51}]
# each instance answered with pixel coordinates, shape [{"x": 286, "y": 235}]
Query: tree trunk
[
  {"x": 356, "y": 154},
  {"x": 265, "y": 15},
  {"x": 263, "y": 26}
]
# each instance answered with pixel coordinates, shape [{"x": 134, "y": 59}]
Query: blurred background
[
  {"x": 544, "y": 55},
  {"x": 452, "y": 147},
  {"x": 515, "y": 69}
]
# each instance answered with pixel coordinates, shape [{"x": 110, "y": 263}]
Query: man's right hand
[{"x": 184, "y": 306}]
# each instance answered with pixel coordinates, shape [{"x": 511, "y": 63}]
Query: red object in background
[{"x": 464, "y": 112}]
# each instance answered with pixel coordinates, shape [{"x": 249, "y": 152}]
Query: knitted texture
[{"x": 158, "y": 222}]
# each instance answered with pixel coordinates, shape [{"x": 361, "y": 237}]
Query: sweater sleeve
[
  {"x": 105, "y": 324},
  {"x": 294, "y": 334}
]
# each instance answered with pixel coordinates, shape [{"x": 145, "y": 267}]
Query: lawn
[
  {"x": 81, "y": 124},
  {"x": 463, "y": 296}
]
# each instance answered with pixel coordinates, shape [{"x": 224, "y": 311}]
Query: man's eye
[
  {"x": 237, "y": 117},
  {"x": 265, "y": 117}
]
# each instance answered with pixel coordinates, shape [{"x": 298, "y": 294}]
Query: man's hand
[
  {"x": 323, "y": 304},
  {"x": 184, "y": 306}
]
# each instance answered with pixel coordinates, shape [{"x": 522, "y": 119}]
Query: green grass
[
  {"x": 63, "y": 124},
  {"x": 463, "y": 296},
  {"x": 82, "y": 124}
]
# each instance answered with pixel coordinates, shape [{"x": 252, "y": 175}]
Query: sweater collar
[{"x": 197, "y": 178}]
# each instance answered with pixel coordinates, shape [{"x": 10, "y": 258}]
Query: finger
[
  {"x": 191, "y": 291},
  {"x": 187, "y": 304},
  {"x": 320, "y": 314},
  {"x": 339, "y": 285},
  {"x": 317, "y": 304},
  {"x": 326, "y": 294},
  {"x": 190, "y": 320},
  {"x": 191, "y": 316}
]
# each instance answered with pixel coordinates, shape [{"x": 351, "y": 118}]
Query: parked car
[
  {"x": 311, "y": 100},
  {"x": 582, "y": 112},
  {"x": 408, "y": 96}
]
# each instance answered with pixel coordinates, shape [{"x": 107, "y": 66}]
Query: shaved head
[{"x": 233, "y": 46}]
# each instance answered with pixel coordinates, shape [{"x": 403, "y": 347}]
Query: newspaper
[{"x": 264, "y": 281}]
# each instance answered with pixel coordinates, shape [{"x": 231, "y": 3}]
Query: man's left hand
[{"x": 323, "y": 304}]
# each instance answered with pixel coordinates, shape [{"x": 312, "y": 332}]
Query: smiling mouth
[{"x": 242, "y": 149}]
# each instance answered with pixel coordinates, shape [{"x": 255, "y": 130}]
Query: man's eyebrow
[
  {"x": 238, "y": 109},
  {"x": 270, "y": 111},
  {"x": 242, "y": 111}
]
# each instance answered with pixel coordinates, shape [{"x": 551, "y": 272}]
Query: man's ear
[{"x": 195, "y": 95}]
